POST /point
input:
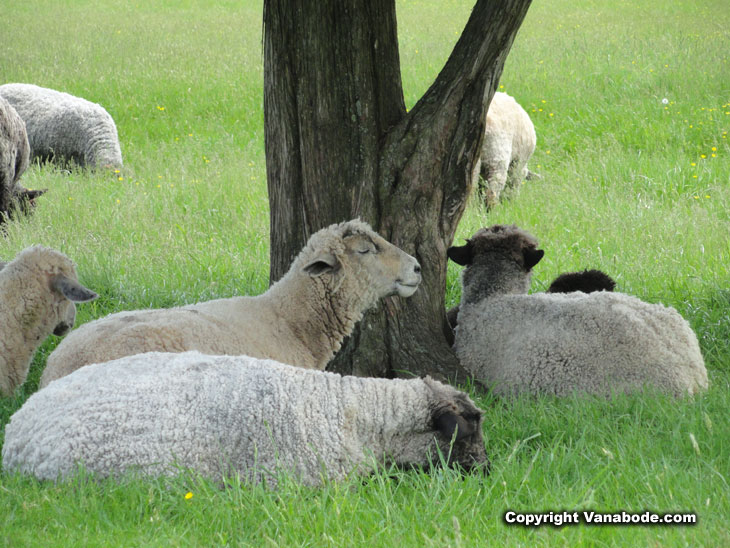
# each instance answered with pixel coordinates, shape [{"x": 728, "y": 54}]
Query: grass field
[{"x": 631, "y": 183}]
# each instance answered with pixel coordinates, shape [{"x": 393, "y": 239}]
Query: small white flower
[{"x": 665, "y": 101}]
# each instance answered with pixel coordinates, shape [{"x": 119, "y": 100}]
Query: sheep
[
  {"x": 65, "y": 128},
  {"x": 157, "y": 413},
  {"x": 38, "y": 290},
  {"x": 586, "y": 281},
  {"x": 554, "y": 343},
  {"x": 14, "y": 158},
  {"x": 301, "y": 320},
  {"x": 509, "y": 141}
]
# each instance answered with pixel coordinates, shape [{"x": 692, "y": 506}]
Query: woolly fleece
[
  {"x": 301, "y": 320},
  {"x": 222, "y": 415},
  {"x": 64, "y": 127},
  {"x": 595, "y": 343}
]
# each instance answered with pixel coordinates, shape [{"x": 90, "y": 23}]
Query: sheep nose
[{"x": 417, "y": 268}]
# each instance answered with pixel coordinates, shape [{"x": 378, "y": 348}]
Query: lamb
[
  {"x": 65, "y": 128},
  {"x": 509, "y": 141},
  {"x": 14, "y": 158},
  {"x": 156, "y": 413},
  {"x": 554, "y": 343},
  {"x": 38, "y": 290},
  {"x": 586, "y": 281},
  {"x": 301, "y": 320}
]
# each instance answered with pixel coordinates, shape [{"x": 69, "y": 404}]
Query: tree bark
[{"x": 340, "y": 144}]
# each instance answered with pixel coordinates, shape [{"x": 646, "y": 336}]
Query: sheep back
[
  {"x": 65, "y": 127},
  {"x": 564, "y": 343},
  {"x": 218, "y": 415}
]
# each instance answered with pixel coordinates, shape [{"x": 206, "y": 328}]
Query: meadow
[{"x": 631, "y": 103}]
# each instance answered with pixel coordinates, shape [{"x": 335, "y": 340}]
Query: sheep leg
[{"x": 494, "y": 178}]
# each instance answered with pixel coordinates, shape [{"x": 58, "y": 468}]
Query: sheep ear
[
  {"x": 323, "y": 263},
  {"x": 532, "y": 257},
  {"x": 72, "y": 289},
  {"x": 462, "y": 255},
  {"x": 448, "y": 421}
]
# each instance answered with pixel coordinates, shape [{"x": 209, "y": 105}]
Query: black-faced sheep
[
  {"x": 63, "y": 127},
  {"x": 556, "y": 343},
  {"x": 509, "y": 141},
  {"x": 301, "y": 320},
  {"x": 222, "y": 415},
  {"x": 38, "y": 290}
]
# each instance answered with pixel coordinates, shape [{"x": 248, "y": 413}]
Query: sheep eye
[{"x": 364, "y": 251}]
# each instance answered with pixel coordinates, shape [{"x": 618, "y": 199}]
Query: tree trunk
[{"x": 340, "y": 144}]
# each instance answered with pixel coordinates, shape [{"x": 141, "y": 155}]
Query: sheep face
[
  {"x": 454, "y": 430},
  {"x": 65, "y": 291},
  {"x": 387, "y": 269},
  {"x": 498, "y": 259}
]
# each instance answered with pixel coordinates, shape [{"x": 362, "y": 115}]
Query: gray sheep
[
  {"x": 14, "y": 158},
  {"x": 301, "y": 320},
  {"x": 555, "y": 343},
  {"x": 38, "y": 290},
  {"x": 156, "y": 413},
  {"x": 65, "y": 128},
  {"x": 586, "y": 281}
]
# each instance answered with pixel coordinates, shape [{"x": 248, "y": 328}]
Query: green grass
[{"x": 624, "y": 188}]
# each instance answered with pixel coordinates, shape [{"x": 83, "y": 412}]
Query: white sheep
[
  {"x": 64, "y": 127},
  {"x": 14, "y": 158},
  {"x": 156, "y": 413},
  {"x": 301, "y": 320},
  {"x": 555, "y": 343},
  {"x": 509, "y": 141},
  {"x": 38, "y": 290}
]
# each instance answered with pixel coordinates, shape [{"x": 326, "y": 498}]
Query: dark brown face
[
  {"x": 460, "y": 436},
  {"x": 509, "y": 241}
]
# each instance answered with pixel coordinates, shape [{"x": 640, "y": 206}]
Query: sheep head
[
  {"x": 453, "y": 430},
  {"x": 586, "y": 281},
  {"x": 361, "y": 253},
  {"x": 66, "y": 291},
  {"x": 498, "y": 259},
  {"x": 48, "y": 286}
]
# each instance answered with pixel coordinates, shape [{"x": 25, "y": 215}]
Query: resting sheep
[
  {"x": 301, "y": 320},
  {"x": 509, "y": 141},
  {"x": 155, "y": 413},
  {"x": 586, "y": 281},
  {"x": 559, "y": 344},
  {"x": 38, "y": 290},
  {"x": 63, "y": 127},
  {"x": 14, "y": 158}
]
